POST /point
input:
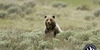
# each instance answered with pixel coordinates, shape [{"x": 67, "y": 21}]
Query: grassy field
[{"x": 22, "y": 24}]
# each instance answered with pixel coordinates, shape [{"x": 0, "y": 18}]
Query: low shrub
[
  {"x": 55, "y": 41},
  {"x": 65, "y": 35},
  {"x": 16, "y": 39},
  {"x": 14, "y": 9},
  {"x": 5, "y": 6},
  {"x": 13, "y": 16},
  {"x": 31, "y": 36},
  {"x": 23, "y": 7},
  {"x": 97, "y": 12},
  {"x": 96, "y": 1},
  {"x": 87, "y": 18},
  {"x": 95, "y": 39},
  {"x": 5, "y": 44},
  {"x": 1, "y": 5},
  {"x": 8, "y": 5},
  {"x": 30, "y": 4},
  {"x": 24, "y": 44},
  {"x": 3, "y": 14},
  {"x": 83, "y": 36},
  {"x": 74, "y": 40},
  {"x": 83, "y": 7},
  {"x": 79, "y": 47},
  {"x": 88, "y": 27},
  {"x": 96, "y": 32},
  {"x": 31, "y": 48},
  {"x": 45, "y": 45},
  {"x": 59, "y": 5},
  {"x": 29, "y": 11},
  {"x": 94, "y": 24}
]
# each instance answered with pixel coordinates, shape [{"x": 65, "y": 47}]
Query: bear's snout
[{"x": 49, "y": 23}]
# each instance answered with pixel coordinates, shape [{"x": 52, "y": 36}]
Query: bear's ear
[
  {"x": 45, "y": 16},
  {"x": 53, "y": 16}
]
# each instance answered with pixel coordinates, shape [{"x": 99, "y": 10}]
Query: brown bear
[{"x": 51, "y": 27}]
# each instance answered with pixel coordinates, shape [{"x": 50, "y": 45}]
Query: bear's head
[{"x": 50, "y": 22}]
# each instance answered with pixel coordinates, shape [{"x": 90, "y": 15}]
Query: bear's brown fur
[{"x": 52, "y": 28}]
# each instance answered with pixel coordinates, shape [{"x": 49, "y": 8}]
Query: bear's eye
[
  {"x": 47, "y": 20},
  {"x": 50, "y": 19}
]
